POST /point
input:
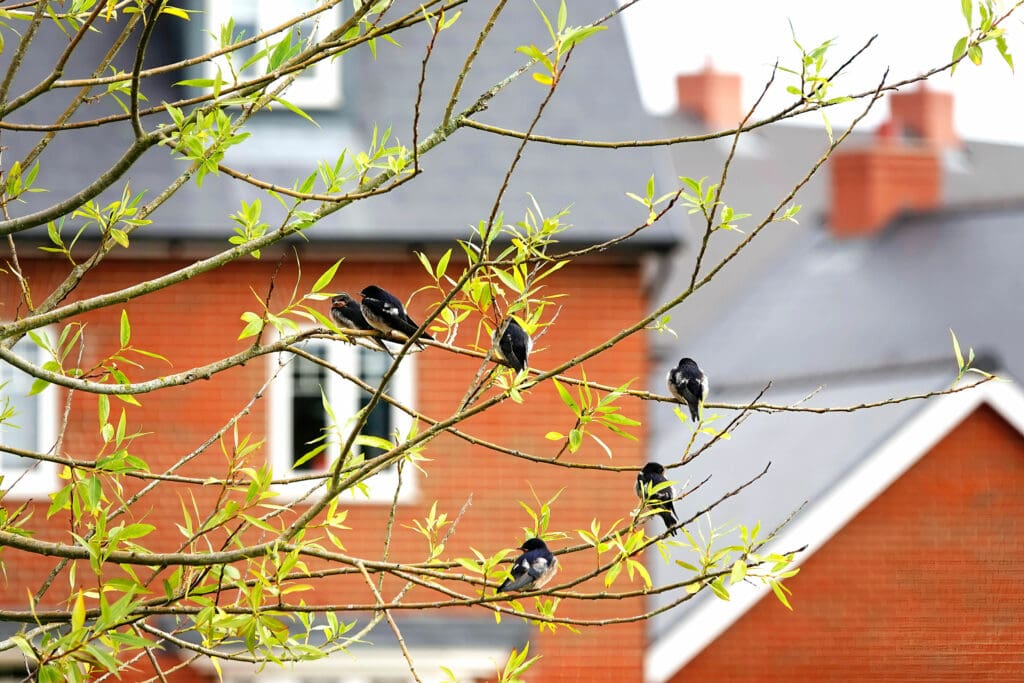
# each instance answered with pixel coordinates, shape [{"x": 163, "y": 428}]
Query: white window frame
[
  {"x": 316, "y": 88},
  {"x": 39, "y": 478},
  {"x": 344, "y": 399}
]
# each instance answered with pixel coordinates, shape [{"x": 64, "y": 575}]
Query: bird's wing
[
  {"x": 404, "y": 324},
  {"x": 393, "y": 309},
  {"x": 519, "y": 347},
  {"x": 513, "y": 349},
  {"x": 521, "y": 576}
]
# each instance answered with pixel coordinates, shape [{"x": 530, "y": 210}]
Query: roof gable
[{"x": 831, "y": 512}]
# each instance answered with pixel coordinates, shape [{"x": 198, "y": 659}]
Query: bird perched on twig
[
  {"x": 345, "y": 312},
  {"x": 531, "y": 570},
  {"x": 384, "y": 312},
  {"x": 511, "y": 344},
  {"x": 687, "y": 383},
  {"x": 659, "y": 501}
]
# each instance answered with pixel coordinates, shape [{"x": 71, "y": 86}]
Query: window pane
[
  {"x": 308, "y": 417},
  {"x": 20, "y": 431},
  {"x": 372, "y": 366}
]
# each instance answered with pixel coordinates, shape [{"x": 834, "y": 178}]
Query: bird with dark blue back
[
  {"x": 688, "y": 384},
  {"x": 660, "y": 501},
  {"x": 384, "y": 312},
  {"x": 346, "y": 313},
  {"x": 512, "y": 345},
  {"x": 531, "y": 570}
]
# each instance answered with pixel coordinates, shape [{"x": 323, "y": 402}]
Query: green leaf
[
  {"x": 739, "y": 570},
  {"x": 38, "y": 385},
  {"x": 642, "y": 571},
  {"x": 567, "y": 398},
  {"x": 78, "y": 613},
  {"x": 974, "y": 54},
  {"x": 175, "y": 12},
  {"x": 958, "y": 51},
  {"x": 103, "y": 402},
  {"x": 780, "y": 593},
  {"x": 195, "y": 83},
  {"x": 579, "y": 34},
  {"x": 119, "y": 236},
  {"x": 967, "y": 9},
  {"x": 719, "y": 589},
  {"x": 469, "y": 565},
  {"x": 612, "y": 574},
  {"x": 956, "y": 350},
  {"x": 295, "y": 110},
  {"x": 136, "y": 531},
  {"x": 442, "y": 264},
  {"x": 1004, "y": 51},
  {"x": 253, "y": 325},
  {"x": 326, "y": 278},
  {"x": 619, "y": 419},
  {"x": 126, "y": 329},
  {"x": 374, "y": 442},
  {"x": 575, "y": 440}
]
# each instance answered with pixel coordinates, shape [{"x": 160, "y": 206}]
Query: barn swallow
[
  {"x": 345, "y": 312},
  {"x": 511, "y": 344},
  {"x": 384, "y": 312},
  {"x": 687, "y": 383},
  {"x": 531, "y": 570},
  {"x": 659, "y": 501}
]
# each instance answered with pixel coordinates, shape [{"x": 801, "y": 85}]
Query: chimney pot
[
  {"x": 927, "y": 114},
  {"x": 712, "y": 96}
]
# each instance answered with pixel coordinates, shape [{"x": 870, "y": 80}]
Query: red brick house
[{"x": 198, "y": 321}]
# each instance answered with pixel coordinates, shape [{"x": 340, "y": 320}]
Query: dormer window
[{"x": 317, "y": 87}]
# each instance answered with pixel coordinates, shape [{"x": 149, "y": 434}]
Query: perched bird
[
  {"x": 531, "y": 570},
  {"x": 345, "y": 312},
  {"x": 511, "y": 344},
  {"x": 687, "y": 383},
  {"x": 384, "y": 312},
  {"x": 661, "y": 500}
]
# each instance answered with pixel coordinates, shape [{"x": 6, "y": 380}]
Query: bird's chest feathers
[{"x": 545, "y": 572}]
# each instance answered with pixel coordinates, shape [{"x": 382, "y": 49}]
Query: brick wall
[
  {"x": 198, "y": 321},
  {"x": 923, "y": 585}
]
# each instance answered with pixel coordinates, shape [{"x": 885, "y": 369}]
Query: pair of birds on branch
[
  {"x": 382, "y": 311},
  {"x": 537, "y": 565}
]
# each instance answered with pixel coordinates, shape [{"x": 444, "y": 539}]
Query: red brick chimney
[
  {"x": 926, "y": 114},
  {"x": 873, "y": 185},
  {"x": 712, "y": 96}
]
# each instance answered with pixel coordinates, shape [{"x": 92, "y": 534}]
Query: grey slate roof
[
  {"x": 770, "y": 162},
  {"x": 597, "y": 99},
  {"x": 831, "y": 306}
]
